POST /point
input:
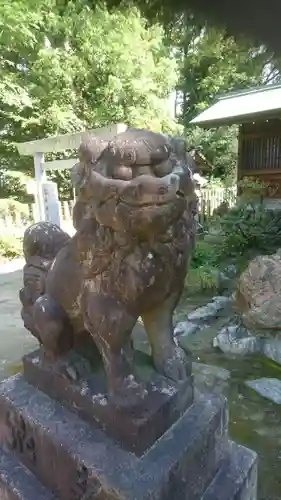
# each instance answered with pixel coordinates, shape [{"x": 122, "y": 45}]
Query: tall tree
[
  {"x": 212, "y": 63},
  {"x": 66, "y": 68}
]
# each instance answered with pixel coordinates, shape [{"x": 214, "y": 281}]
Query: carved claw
[
  {"x": 176, "y": 366},
  {"x": 128, "y": 394}
]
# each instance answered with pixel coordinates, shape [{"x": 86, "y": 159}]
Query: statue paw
[
  {"x": 176, "y": 366},
  {"x": 128, "y": 394},
  {"x": 72, "y": 367}
]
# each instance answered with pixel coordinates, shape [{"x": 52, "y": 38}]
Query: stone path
[{"x": 14, "y": 339}]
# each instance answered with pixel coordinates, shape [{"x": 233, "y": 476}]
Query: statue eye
[
  {"x": 163, "y": 169},
  {"x": 129, "y": 157}
]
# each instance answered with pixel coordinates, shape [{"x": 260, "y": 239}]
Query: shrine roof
[{"x": 260, "y": 103}]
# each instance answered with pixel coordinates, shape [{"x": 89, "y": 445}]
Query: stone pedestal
[{"x": 61, "y": 440}]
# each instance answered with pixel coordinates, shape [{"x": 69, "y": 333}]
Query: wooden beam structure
[
  {"x": 58, "y": 144},
  {"x": 65, "y": 142}
]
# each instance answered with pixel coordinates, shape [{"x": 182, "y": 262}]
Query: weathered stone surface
[
  {"x": 209, "y": 311},
  {"x": 272, "y": 349},
  {"x": 235, "y": 339},
  {"x": 126, "y": 431},
  {"x": 209, "y": 378},
  {"x": 238, "y": 480},
  {"x": 73, "y": 458},
  {"x": 269, "y": 388},
  {"x": 136, "y": 430},
  {"x": 186, "y": 328},
  {"x": 135, "y": 220},
  {"x": 18, "y": 483},
  {"x": 258, "y": 294},
  {"x": 140, "y": 339}
]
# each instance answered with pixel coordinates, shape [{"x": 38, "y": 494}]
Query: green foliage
[
  {"x": 70, "y": 68},
  {"x": 13, "y": 184},
  {"x": 220, "y": 147},
  {"x": 15, "y": 209},
  {"x": 211, "y": 63},
  {"x": 10, "y": 247},
  {"x": 204, "y": 254},
  {"x": 203, "y": 271},
  {"x": 250, "y": 228},
  {"x": 201, "y": 280},
  {"x": 246, "y": 230}
]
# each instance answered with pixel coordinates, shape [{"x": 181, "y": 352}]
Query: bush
[
  {"x": 250, "y": 229},
  {"x": 204, "y": 254},
  {"x": 244, "y": 231},
  {"x": 202, "y": 279},
  {"x": 10, "y": 247},
  {"x": 9, "y": 206},
  {"x": 203, "y": 271}
]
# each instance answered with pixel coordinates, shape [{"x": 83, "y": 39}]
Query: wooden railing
[{"x": 211, "y": 198}]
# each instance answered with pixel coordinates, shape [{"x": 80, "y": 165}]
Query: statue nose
[{"x": 139, "y": 190}]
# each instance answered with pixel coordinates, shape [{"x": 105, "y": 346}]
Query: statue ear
[
  {"x": 160, "y": 154},
  {"x": 77, "y": 175}
]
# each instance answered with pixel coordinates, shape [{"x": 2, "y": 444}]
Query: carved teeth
[
  {"x": 173, "y": 180},
  {"x": 180, "y": 194}
]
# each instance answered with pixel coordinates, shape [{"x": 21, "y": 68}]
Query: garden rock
[
  {"x": 185, "y": 328},
  {"x": 235, "y": 339},
  {"x": 272, "y": 349},
  {"x": 209, "y": 311},
  {"x": 231, "y": 271},
  {"x": 210, "y": 378},
  {"x": 269, "y": 388},
  {"x": 258, "y": 294}
]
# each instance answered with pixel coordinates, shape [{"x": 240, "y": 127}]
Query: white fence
[
  {"x": 14, "y": 220},
  {"x": 211, "y": 198}
]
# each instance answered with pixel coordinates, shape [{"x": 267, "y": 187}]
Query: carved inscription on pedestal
[
  {"x": 86, "y": 487},
  {"x": 79, "y": 490},
  {"x": 20, "y": 439}
]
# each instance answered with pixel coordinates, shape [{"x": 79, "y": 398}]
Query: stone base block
[
  {"x": 18, "y": 483},
  {"x": 75, "y": 460},
  {"x": 75, "y": 386},
  {"x": 238, "y": 479},
  {"x": 61, "y": 439}
]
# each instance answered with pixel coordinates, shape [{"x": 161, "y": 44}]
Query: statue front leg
[
  {"x": 169, "y": 359},
  {"x": 110, "y": 326},
  {"x": 52, "y": 325}
]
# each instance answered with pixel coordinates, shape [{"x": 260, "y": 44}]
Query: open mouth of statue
[
  {"x": 180, "y": 194},
  {"x": 155, "y": 201}
]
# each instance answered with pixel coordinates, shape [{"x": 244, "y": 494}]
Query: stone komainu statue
[{"x": 135, "y": 225}]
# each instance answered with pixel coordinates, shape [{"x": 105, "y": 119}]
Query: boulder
[
  {"x": 269, "y": 388},
  {"x": 186, "y": 328},
  {"x": 258, "y": 294},
  {"x": 234, "y": 339},
  {"x": 210, "y": 310}
]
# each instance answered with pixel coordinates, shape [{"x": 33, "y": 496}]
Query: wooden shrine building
[
  {"x": 257, "y": 111},
  {"x": 203, "y": 167}
]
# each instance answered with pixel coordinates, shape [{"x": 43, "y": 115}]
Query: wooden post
[{"x": 40, "y": 177}]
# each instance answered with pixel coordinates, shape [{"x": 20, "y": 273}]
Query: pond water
[{"x": 254, "y": 421}]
